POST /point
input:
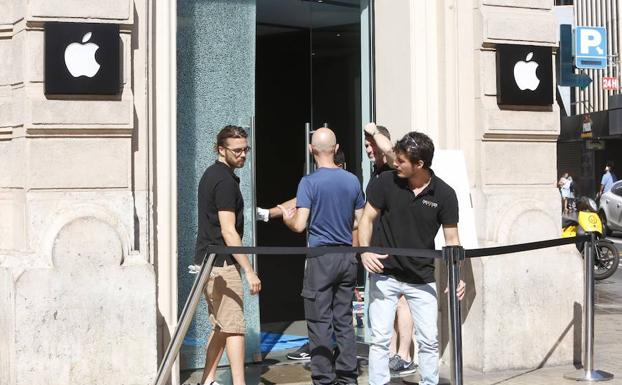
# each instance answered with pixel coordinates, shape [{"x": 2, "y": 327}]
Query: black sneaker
[
  {"x": 301, "y": 354},
  {"x": 343, "y": 381},
  {"x": 400, "y": 367}
]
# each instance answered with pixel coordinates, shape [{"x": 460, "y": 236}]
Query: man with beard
[{"x": 221, "y": 223}]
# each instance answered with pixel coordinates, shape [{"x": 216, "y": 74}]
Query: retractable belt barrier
[
  {"x": 452, "y": 256},
  {"x": 416, "y": 253}
]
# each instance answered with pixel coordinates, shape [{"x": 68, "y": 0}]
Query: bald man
[{"x": 329, "y": 202}]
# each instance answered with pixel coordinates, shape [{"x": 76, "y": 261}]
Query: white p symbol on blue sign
[
  {"x": 591, "y": 47},
  {"x": 590, "y": 38}
]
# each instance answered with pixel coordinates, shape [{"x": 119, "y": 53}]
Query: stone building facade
[{"x": 88, "y": 186}]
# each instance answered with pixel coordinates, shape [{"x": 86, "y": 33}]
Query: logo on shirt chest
[{"x": 429, "y": 203}]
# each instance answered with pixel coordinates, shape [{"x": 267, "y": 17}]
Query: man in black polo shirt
[
  {"x": 380, "y": 152},
  {"x": 221, "y": 223},
  {"x": 412, "y": 203}
]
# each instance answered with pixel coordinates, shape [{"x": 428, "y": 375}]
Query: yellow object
[
  {"x": 590, "y": 222},
  {"x": 569, "y": 231}
]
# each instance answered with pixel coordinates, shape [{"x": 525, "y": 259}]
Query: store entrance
[{"x": 308, "y": 69}]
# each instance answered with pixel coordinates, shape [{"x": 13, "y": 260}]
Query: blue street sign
[
  {"x": 590, "y": 47},
  {"x": 566, "y": 76}
]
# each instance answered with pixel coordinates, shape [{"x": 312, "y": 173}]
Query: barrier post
[
  {"x": 172, "y": 351},
  {"x": 588, "y": 373},
  {"x": 453, "y": 255}
]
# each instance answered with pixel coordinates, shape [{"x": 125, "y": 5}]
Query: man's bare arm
[
  {"x": 296, "y": 219},
  {"x": 275, "y": 212},
  {"x": 382, "y": 142},
  {"x": 232, "y": 238},
  {"x": 371, "y": 261},
  {"x": 452, "y": 238},
  {"x": 358, "y": 214},
  {"x": 365, "y": 224}
]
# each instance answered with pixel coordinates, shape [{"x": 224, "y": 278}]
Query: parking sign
[{"x": 591, "y": 47}]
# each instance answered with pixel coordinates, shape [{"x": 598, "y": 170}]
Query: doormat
[{"x": 274, "y": 342}]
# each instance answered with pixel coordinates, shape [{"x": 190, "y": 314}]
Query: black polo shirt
[
  {"x": 376, "y": 173},
  {"x": 411, "y": 221},
  {"x": 375, "y": 238},
  {"x": 219, "y": 190}
]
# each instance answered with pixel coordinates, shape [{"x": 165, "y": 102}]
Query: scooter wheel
[{"x": 606, "y": 260}]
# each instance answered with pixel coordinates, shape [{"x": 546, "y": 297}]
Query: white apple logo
[
  {"x": 525, "y": 74},
  {"x": 80, "y": 58}
]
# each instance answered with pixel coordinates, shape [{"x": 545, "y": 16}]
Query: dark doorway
[{"x": 308, "y": 71}]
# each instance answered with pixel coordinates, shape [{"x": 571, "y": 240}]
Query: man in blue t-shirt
[
  {"x": 329, "y": 203},
  {"x": 608, "y": 179}
]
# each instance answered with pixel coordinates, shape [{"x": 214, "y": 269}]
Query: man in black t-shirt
[
  {"x": 380, "y": 152},
  {"x": 411, "y": 203},
  {"x": 221, "y": 223}
]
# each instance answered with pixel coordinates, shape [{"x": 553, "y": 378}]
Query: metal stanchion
[
  {"x": 184, "y": 322},
  {"x": 588, "y": 373},
  {"x": 453, "y": 255},
  {"x": 308, "y": 160}
]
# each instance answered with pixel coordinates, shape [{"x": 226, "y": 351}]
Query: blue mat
[
  {"x": 270, "y": 342},
  {"x": 274, "y": 342}
]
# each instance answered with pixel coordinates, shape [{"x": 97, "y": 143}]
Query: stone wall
[
  {"x": 76, "y": 274},
  {"x": 520, "y": 308}
]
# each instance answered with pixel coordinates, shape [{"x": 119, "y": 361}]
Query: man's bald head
[{"x": 324, "y": 140}]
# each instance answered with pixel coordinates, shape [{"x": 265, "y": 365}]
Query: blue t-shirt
[
  {"x": 332, "y": 195},
  {"x": 607, "y": 181}
]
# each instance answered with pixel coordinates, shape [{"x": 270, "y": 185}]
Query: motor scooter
[{"x": 606, "y": 257}]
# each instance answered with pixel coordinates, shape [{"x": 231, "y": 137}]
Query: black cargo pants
[{"x": 328, "y": 289}]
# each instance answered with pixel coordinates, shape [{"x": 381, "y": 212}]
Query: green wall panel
[{"x": 215, "y": 87}]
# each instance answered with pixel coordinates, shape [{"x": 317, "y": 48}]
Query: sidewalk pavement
[
  {"x": 276, "y": 369},
  {"x": 607, "y": 357}
]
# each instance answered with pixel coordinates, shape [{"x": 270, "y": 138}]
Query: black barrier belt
[
  {"x": 418, "y": 253},
  {"x": 321, "y": 250},
  {"x": 488, "y": 251}
]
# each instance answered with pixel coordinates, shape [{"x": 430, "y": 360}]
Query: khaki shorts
[{"x": 225, "y": 299}]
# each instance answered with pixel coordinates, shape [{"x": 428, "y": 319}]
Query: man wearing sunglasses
[{"x": 221, "y": 223}]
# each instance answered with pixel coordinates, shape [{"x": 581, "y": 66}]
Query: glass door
[
  {"x": 308, "y": 73},
  {"x": 336, "y": 74}
]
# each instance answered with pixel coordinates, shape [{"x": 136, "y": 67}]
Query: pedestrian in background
[
  {"x": 608, "y": 179},
  {"x": 565, "y": 184}
]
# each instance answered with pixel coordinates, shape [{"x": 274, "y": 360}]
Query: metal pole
[
  {"x": 253, "y": 193},
  {"x": 184, "y": 321},
  {"x": 588, "y": 314},
  {"x": 453, "y": 255},
  {"x": 588, "y": 373},
  {"x": 307, "y": 153},
  {"x": 372, "y": 59}
]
